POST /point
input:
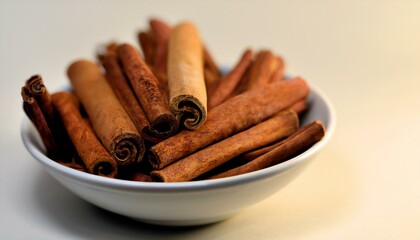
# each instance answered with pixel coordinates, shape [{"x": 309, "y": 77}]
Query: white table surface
[{"x": 365, "y": 55}]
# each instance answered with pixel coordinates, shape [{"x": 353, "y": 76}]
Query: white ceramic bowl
[{"x": 186, "y": 203}]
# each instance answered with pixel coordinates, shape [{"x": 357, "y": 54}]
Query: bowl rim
[{"x": 27, "y": 129}]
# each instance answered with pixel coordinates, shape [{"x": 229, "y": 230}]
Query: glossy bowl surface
[{"x": 186, "y": 203}]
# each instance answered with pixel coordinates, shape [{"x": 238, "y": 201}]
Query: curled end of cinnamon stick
[
  {"x": 163, "y": 126},
  {"x": 154, "y": 160},
  {"x": 35, "y": 84},
  {"x": 190, "y": 112},
  {"x": 105, "y": 168},
  {"x": 157, "y": 177},
  {"x": 27, "y": 95},
  {"x": 128, "y": 149}
]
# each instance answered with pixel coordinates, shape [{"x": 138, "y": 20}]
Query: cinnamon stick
[
  {"x": 109, "y": 120},
  {"x": 141, "y": 177},
  {"x": 232, "y": 116},
  {"x": 300, "y": 107},
  {"x": 36, "y": 86},
  {"x": 264, "y": 66},
  {"x": 228, "y": 83},
  {"x": 299, "y": 141},
  {"x": 146, "y": 87},
  {"x": 242, "y": 159},
  {"x": 212, "y": 74},
  {"x": 187, "y": 90},
  {"x": 95, "y": 157},
  {"x": 33, "y": 111},
  {"x": 75, "y": 162},
  {"x": 279, "y": 126},
  {"x": 278, "y": 74},
  {"x": 122, "y": 88},
  {"x": 161, "y": 31},
  {"x": 147, "y": 44}
]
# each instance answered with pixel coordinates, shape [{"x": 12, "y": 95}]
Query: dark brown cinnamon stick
[
  {"x": 299, "y": 141},
  {"x": 94, "y": 156},
  {"x": 154, "y": 46},
  {"x": 33, "y": 111},
  {"x": 212, "y": 74},
  {"x": 147, "y": 44},
  {"x": 146, "y": 87},
  {"x": 36, "y": 85},
  {"x": 228, "y": 83},
  {"x": 279, "y": 126},
  {"x": 75, "y": 162},
  {"x": 230, "y": 117},
  {"x": 264, "y": 66},
  {"x": 242, "y": 159},
  {"x": 110, "y": 121},
  {"x": 161, "y": 32},
  {"x": 125, "y": 94},
  {"x": 141, "y": 177}
]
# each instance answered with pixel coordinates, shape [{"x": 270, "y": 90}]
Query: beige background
[{"x": 365, "y": 55}]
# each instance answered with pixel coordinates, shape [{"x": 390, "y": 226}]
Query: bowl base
[{"x": 185, "y": 223}]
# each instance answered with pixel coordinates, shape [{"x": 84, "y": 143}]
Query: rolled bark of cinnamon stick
[
  {"x": 212, "y": 74},
  {"x": 146, "y": 42},
  {"x": 94, "y": 156},
  {"x": 122, "y": 89},
  {"x": 161, "y": 31},
  {"x": 154, "y": 44},
  {"x": 228, "y": 83},
  {"x": 33, "y": 111},
  {"x": 279, "y": 126},
  {"x": 146, "y": 87},
  {"x": 278, "y": 74},
  {"x": 187, "y": 90},
  {"x": 300, "y": 107},
  {"x": 232, "y": 116},
  {"x": 264, "y": 67},
  {"x": 36, "y": 85},
  {"x": 242, "y": 159},
  {"x": 299, "y": 141},
  {"x": 110, "y": 122}
]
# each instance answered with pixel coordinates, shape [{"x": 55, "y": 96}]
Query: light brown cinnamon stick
[
  {"x": 279, "y": 126},
  {"x": 94, "y": 156},
  {"x": 228, "y": 83},
  {"x": 299, "y": 141},
  {"x": 300, "y": 107},
  {"x": 232, "y": 116},
  {"x": 109, "y": 120},
  {"x": 278, "y": 74},
  {"x": 146, "y": 87},
  {"x": 187, "y": 90}
]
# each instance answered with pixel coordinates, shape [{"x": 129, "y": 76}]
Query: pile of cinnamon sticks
[{"x": 170, "y": 115}]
